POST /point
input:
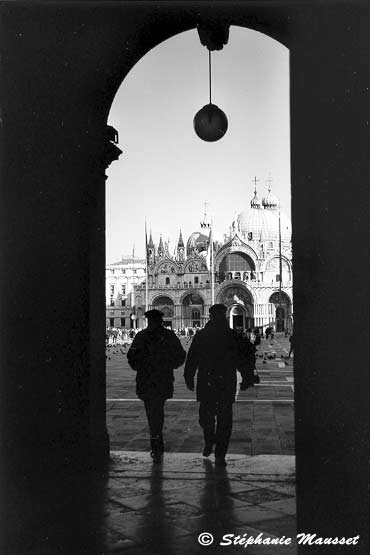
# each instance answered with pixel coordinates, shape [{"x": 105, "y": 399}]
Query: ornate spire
[
  {"x": 160, "y": 247},
  {"x": 150, "y": 243},
  {"x": 167, "y": 248},
  {"x": 180, "y": 242},
  {"x": 180, "y": 248}
]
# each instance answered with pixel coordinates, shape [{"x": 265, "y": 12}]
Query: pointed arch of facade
[
  {"x": 234, "y": 283},
  {"x": 194, "y": 261},
  {"x": 286, "y": 295},
  {"x": 192, "y": 292},
  {"x": 282, "y": 310},
  {"x": 241, "y": 248},
  {"x": 264, "y": 295},
  {"x": 162, "y": 295},
  {"x": 166, "y": 265},
  {"x": 276, "y": 256}
]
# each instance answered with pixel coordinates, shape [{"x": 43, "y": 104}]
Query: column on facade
[
  {"x": 177, "y": 321},
  {"x": 263, "y": 315},
  {"x": 257, "y": 320}
]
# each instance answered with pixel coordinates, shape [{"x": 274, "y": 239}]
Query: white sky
[{"x": 166, "y": 172}]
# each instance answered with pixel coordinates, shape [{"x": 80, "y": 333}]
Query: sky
[{"x": 166, "y": 173}]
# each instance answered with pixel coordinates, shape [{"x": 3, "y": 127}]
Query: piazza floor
[{"x": 263, "y": 415}]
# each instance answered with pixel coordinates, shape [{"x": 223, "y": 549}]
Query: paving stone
[
  {"x": 259, "y": 496},
  {"x": 286, "y": 506},
  {"x": 254, "y": 514}
]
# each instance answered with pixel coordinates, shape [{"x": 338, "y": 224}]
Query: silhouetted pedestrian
[
  {"x": 257, "y": 337},
  {"x": 247, "y": 358},
  {"x": 154, "y": 354},
  {"x": 291, "y": 340},
  {"x": 214, "y": 354}
]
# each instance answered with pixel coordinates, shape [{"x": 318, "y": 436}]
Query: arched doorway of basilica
[
  {"x": 236, "y": 315},
  {"x": 165, "y": 304},
  {"x": 283, "y": 311},
  {"x": 192, "y": 311},
  {"x": 239, "y": 303}
]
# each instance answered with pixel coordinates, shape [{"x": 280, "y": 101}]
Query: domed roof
[
  {"x": 264, "y": 224},
  {"x": 198, "y": 241},
  {"x": 270, "y": 201},
  {"x": 255, "y": 202}
]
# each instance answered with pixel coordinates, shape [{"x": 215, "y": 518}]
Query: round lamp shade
[{"x": 210, "y": 123}]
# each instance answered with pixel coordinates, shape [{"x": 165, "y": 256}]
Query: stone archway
[
  {"x": 236, "y": 265},
  {"x": 238, "y": 316},
  {"x": 239, "y": 303},
  {"x": 283, "y": 311},
  {"x": 192, "y": 311},
  {"x": 165, "y": 304},
  {"x": 69, "y": 129}
]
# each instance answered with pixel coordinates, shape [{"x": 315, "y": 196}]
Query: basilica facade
[{"x": 252, "y": 272}]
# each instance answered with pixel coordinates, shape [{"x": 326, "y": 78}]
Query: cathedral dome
[
  {"x": 255, "y": 203},
  {"x": 264, "y": 224},
  {"x": 270, "y": 201},
  {"x": 197, "y": 241}
]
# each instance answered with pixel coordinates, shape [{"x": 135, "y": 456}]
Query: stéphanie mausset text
[{"x": 301, "y": 539}]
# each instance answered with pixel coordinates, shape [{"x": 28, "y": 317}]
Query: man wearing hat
[
  {"x": 154, "y": 354},
  {"x": 214, "y": 354}
]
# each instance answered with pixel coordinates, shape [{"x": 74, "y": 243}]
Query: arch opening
[
  {"x": 283, "y": 311},
  {"x": 237, "y": 265},
  {"x": 193, "y": 311},
  {"x": 170, "y": 173}
]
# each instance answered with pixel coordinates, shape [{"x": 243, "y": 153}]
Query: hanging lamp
[{"x": 210, "y": 123}]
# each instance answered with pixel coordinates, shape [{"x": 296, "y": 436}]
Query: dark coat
[
  {"x": 247, "y": 359},
  {"x": 214, "y": 354},
  {"x": 154, "y": 354}
]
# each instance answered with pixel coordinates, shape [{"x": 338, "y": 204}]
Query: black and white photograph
[{"x": 185, "y": 307}]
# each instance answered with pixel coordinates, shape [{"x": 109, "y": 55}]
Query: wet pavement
[{"x": 165, "y": 508}]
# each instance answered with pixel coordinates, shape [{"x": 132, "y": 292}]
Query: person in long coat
[
  {"x": 247, "y": 358},
  {"x": 154, "y": 354},
  {"x": 214, "y": 356}
]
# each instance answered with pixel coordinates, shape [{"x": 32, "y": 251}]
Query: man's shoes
[
  {"x": 156, "y": 449},
  {"x": 208, "y": 447},
  {"x": 220, "y": 462}
]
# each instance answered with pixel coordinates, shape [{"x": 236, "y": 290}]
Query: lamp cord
[{"x": 210, "y": 82}]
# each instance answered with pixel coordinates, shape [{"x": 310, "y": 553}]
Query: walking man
[
  {"x": 214, "y": 354},
  {"x": 154, "y": 354}
]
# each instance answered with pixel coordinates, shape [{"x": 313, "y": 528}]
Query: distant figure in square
[
  {"x": 247, "y": 359},
  {"x": 291, "y": 340},
  {"x": 214, "y": 355},
  {"x": 257, "y": 337},
  {"x": 154, "y": 354}
]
